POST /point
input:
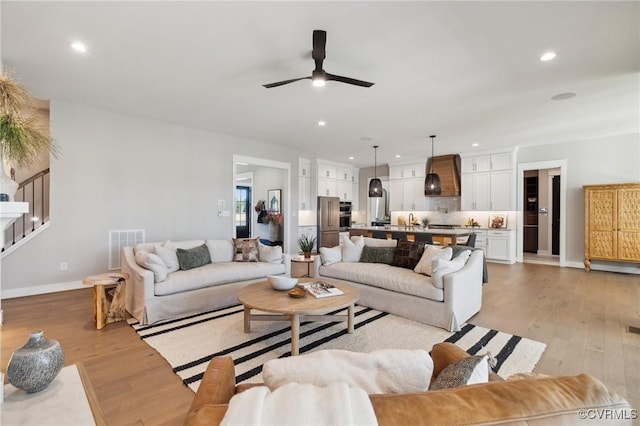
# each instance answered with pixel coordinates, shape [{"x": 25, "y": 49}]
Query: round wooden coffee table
[{"x": 261, "y": 296}]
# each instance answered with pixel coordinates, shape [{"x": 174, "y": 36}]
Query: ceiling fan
[{"x": 319, "y": 76}]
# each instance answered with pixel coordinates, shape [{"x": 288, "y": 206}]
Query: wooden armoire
[{"x": 611, "y": 223}]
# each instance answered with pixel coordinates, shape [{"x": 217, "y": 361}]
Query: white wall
[
  {"x": 123, "y": 172},
  {"x": 614, "y": 159}
]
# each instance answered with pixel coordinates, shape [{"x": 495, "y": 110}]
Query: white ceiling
[{"x": 466, "y": 71}]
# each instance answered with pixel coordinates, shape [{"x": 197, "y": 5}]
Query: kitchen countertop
[{"x": 464, "y": 230}]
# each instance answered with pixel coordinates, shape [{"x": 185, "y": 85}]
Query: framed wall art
[
  {"x": 497, "y": 220},
  {"x": 274, "y": 201}
]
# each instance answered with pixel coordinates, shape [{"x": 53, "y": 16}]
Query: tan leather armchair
[{"x": 545, "y": 401}]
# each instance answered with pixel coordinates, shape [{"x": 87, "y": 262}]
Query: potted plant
[
  {"x": 425, "y": 221},
  {"x": 21, "y": 138},
  {"x": 306, "y": 243}
]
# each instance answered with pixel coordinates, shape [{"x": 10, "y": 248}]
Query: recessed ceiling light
[
  {"x": 547, "y": 56},
  {"x": 366, "y": 138},
  {"x": 475, "y": 144},
  {"x": 563, "y": 96},
  {"x": 397, "y": 155},
  {"x": 79, "y": 47},
  {"x": 351, "y": 158},
  {"x": 321, "y": 123}
]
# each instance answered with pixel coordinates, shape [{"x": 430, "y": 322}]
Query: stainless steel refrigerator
[{"x": 328, "y": 221}]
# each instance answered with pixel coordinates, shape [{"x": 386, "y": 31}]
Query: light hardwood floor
[{"x": 583, "y": 318}]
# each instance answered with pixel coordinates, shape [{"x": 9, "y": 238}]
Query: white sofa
[
  {"x": 211, "y": 286},
  {"x": 412, "y": 295}
]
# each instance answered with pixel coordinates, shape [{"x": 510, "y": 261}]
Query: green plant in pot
[
  {"x": 306, "y": 243},
  {"x": 425, "y": 221},
  {"x": 22, "y": 139}
]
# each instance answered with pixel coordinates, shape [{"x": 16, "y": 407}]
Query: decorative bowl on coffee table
[{"x": 281, "y": 283}]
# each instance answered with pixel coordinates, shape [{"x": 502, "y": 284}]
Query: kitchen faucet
[{"x": 411, "y": 219}]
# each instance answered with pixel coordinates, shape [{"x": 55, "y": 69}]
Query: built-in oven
[{"x": 345, "y": 215}]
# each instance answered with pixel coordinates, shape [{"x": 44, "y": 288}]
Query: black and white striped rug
[{"x": 189, "y": 343}]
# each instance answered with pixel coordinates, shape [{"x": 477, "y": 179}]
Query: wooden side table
[
  {"x": 308, "y": 260},
  {"x": 108, "y": 297}
]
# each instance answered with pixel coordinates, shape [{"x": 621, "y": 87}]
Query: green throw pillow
[
  {"x": 192, "y": 258},
  {"x": 378, "y": 255}
]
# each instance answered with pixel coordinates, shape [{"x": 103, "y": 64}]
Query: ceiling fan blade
[
  {"x": 349, "y": 80},
  {"x": 280, "y": 83},
  {"x": 319, "y": 43}
]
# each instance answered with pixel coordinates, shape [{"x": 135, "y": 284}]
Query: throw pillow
[
  {"x": 352, "y": 250},
  {"x": 272, "y": 254},
  {"x": 168, "y": 256},
  {"x": 378, "y": 242},
  {"x": 154, "y": 263},
  {"x": 431, "y": 253},
  {"x": 408, "y": 254},
  {"x": 378, "y": 255},
  {"x": 331, "y": 255},
  {"x": 467, "y": 371},
  {"x": 194, "y": 257},
  {"x": 221, "y": 250},
  {"x": 442, "y": 267},
  {"x": 383, "y": 371},
  {"x": 246, "y": 250}
]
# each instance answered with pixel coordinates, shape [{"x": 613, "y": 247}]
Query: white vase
[{"x": 7, "y": 185}]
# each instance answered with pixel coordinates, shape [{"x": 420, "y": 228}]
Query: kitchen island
[{"x": 450, "y": 234}]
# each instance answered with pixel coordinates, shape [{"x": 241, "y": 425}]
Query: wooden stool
[{"x": 108, "y": 297}]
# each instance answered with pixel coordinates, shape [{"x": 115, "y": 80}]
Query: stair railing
[{"x": 34, "y": 190}]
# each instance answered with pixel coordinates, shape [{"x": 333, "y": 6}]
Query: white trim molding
[{"x": 41, "y": 289}]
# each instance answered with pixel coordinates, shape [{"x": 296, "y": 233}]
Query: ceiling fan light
[
  {"x": 375, "y": 188},
  {"x": 318, "y": 82}
]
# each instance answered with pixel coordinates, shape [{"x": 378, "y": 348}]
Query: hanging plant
[{"x": 21, "y": 137}]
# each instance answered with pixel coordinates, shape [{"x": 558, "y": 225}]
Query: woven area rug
[{"x": 188, "y": 344}]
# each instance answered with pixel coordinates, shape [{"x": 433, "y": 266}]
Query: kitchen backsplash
[{"x": 454, "y": 218}]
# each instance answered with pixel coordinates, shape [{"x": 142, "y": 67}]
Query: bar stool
[
  {"x": 471, "y": 241},
  {"x": 379, "y": 234},
  {"x": 421, "y": 237},
  {"x": 400, "y": 236}
]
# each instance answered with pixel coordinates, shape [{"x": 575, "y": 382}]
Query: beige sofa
[
  {"x": 411, "y": 295},
  {"x": 549, "y": 401},
  {"x": 200, "y": 289}
]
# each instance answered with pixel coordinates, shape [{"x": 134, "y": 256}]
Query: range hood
[{"x": 448, "y": 168}]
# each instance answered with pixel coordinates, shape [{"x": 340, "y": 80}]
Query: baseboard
[
  {"x": 41, "y": 289},
  {"x": 607, "y": 267}
]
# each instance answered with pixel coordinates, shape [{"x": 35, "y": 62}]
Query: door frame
[
  {"x": 286, "y": 192},
  {"x": 540, "y": 165}
]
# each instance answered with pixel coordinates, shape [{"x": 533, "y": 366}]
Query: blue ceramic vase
[{"x": 34, "y": 366}]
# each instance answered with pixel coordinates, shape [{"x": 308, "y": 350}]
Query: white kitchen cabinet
[
  {"x": 502, "y": 161},
  {"x": 327, "y": 187},
  {"x": 502, "y": 190},
  {"x": 481, "y": 240},
  {"x": 355, "y": 197},
  {"x": 304, "y": 167},
  {"x": 475, "y": 191},
  {"x": 407, "y": 171},
  {"x": 345, "y": 190},
  {"x": 396, "y": 195},
  {"x": 478, "y": 163},
  {"x": 327, "y": 171},
  {"x": 501, "y": 245},
  {"x": 345, "y": 174},
  {"x": 304, "y": 193},
  {"x": 407, "y": 194}
]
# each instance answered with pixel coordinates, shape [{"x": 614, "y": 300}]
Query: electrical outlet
[{"x": 63, "y": 266}]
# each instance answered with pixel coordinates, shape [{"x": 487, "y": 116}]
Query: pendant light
[
  {"x": 432, "y": 181},
  {"x": 375, "y": 185}
]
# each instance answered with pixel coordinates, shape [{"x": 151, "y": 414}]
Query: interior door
[
  {"x": 555, "y": 216},
  {"x": 243, "y": 212}
]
